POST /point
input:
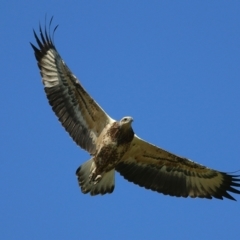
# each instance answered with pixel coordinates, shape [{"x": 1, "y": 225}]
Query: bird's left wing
[
  {"x": 79, "y": 114},
  {"x": 156, "y": 169}
]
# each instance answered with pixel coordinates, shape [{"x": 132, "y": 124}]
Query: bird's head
[{"x": 126, "y": 121}]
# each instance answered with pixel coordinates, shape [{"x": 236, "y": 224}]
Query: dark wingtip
[
  {"x": 34, "y": 48},
  {"x": 41, "y": 35},
  {"x": 54, "y": 32},
  {"x": 44, "y": 42},
  {"x": 228, "y": 196},
  {"x": 232, "y": 181}
]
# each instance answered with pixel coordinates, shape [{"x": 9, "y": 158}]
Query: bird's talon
[{"x": 97, "y": 179}]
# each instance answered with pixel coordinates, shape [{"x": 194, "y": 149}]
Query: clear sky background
[{"x": 174, "y": 66}]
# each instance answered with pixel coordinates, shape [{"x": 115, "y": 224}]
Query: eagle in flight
[{"x": 113, "y": 145}]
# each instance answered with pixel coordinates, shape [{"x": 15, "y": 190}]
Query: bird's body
[
  {"x": 113, "y": 145},
  {"x": 115, "y": 142}
]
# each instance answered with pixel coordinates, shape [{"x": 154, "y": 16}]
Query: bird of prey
[{"x": 113, "y": 145}]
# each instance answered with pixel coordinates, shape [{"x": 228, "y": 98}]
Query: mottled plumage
[{"x": 113, "y": 144}]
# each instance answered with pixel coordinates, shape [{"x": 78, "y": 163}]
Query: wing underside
[
  {"x": 79, "y": 114},
  {"x": 161, "y": 171}
]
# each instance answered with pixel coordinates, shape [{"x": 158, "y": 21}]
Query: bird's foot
[
  {"x": 94, "y": 179},
  {"x": 93, "y": 176},
  {"x": 97, "y": 179}
]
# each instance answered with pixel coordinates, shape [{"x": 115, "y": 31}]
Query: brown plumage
[{"x": 113, "y": 144}]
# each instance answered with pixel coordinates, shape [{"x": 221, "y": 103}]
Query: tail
[{"x": 105, "y": 185}]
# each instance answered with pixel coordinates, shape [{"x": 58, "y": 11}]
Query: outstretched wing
[
  {"x": 156, "y": 169},
  {"x": 79, "y": 114}
]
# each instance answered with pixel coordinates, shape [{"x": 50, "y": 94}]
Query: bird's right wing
[{"x": 79, "y": 114}]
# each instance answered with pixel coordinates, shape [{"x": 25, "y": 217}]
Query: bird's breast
[{"x": 112, "y": 146}]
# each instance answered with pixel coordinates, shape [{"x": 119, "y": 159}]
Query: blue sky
[{"x": 173, "y": 67}]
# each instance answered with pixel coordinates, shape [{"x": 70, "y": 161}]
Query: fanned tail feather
[{"x": 105, "y": 185}]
